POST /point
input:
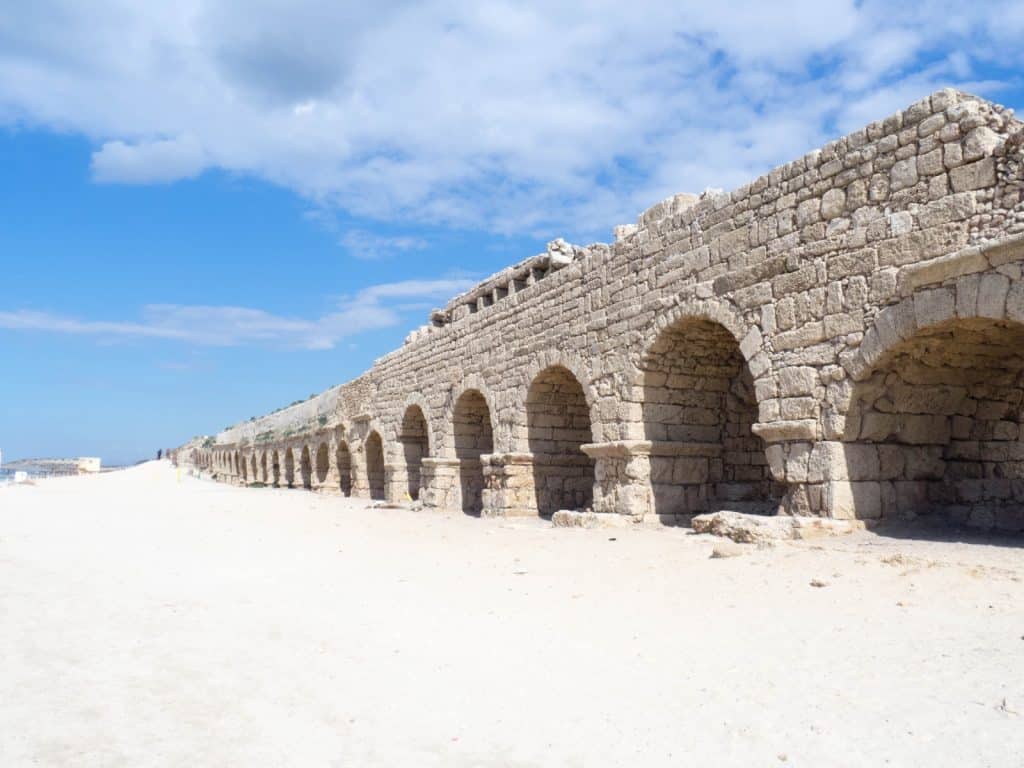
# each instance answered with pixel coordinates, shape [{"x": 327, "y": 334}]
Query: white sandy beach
[{"x": 148, "y": 619}]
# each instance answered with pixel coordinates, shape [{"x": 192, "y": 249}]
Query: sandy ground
[{"x": 151, "y": 619}]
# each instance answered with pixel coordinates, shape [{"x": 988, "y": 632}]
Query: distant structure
[
  {"x": 842, "y": 337},
  {"x": 88, "y": 464}
]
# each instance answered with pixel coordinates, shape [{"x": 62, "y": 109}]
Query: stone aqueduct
[{"x": 842, "y": 337}]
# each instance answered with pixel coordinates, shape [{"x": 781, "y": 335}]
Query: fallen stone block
[
  {"x": 567, "y": 518},
  {"x": 765, "y": 530}
]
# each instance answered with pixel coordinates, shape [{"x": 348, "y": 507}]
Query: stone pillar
[
  {"x": 622, "y": 477},
  {"x": 508, "y": 485},
  {"x": 439, "y": 483},
  {"x": 396, "y": 483},
  {"x": 360, "y": 480},
  {"x": 331, "y": 484}
]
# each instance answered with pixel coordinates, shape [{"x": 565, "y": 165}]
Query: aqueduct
[{"x": 842, "y": 337}]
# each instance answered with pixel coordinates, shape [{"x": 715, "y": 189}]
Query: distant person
[{"x": 159, "y": 454}]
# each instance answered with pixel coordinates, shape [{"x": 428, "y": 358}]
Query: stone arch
[
  {"x": 697, "y": 409},
  {"x": 275, "y": 468},
  {"x": 558, "y": 423},
  {"x": 242, "y": 466},
  {"x": 414, "y": 439},
  {"x": 254, "y": 468},
  {"x": 343, "y": 462},
  {"x": 472, "y": 436},
  {"x": 577, "y": 369},
  {"x": 289, "y": 466},
  {"x": 323, "y": 463},
  {"x": 445, "y": 446},
  {"x": 933, "y": 424},
  {"x": 747, "y": 335},
  {"x": 375, "y": 474},
  {"x": 306, "y": 467},
  {"x": 264, "y": 477}
]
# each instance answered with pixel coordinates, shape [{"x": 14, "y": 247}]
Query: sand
[{"x": 149, "y": 619}]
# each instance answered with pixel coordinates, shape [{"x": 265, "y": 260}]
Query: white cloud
[
  {"x": 370, "y": 246},
  {"x": 375, "y": 307},
  {"x": 147, "y": 162},
  {"x": 545, "y": 117}
]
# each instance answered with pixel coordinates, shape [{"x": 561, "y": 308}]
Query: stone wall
[{"x": 839, "y": 337}]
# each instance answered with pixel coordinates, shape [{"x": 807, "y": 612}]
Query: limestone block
[
  {"x": 967, "y": 295},
  {"x": 977, "y": 175},
  {"x": 980, "y": 143},
  {"x": 1015, "y": 303},
  {"x": 931, "y": 163},
  {"x": 827, "y": 461},
  {"x": 934, "y": 306},
  {"x": 903, "y": 174},
  {"x": 833, "y": 203},
  {"x": 847, "y": 500},
  {"x": 797, "y": 380},
  {"x": 992, "y": 293}
]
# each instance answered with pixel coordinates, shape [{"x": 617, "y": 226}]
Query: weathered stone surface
[
  {"x": 976, "y": 175},
  {"x": 843, "y": 337},
  {"x": 765, "y": 531}
]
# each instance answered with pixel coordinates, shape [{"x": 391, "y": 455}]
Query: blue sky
[{"x": 211, "y": 209}]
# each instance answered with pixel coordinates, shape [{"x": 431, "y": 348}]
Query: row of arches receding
[{"x": 935, "y": 426}]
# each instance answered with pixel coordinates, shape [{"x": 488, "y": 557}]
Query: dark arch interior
[
  {"x": 306, "y": 468},
  {"x": 938, "y": 428},
  {"x": 289, "y": 468},
  {"x": 322, "y": 463},
  {"x": 275, "y": 470},
  {"x": 375, "y": 465},
  {"x": 558, "y": 423},
  {"x": 412, "y": 435},
  {"x": 698, "y": 409},
  {"x": 343, "y": 458},
  {"x": 471, "y": 425}
]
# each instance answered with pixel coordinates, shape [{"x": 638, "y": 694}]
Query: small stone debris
[{"x": 818, "y": 583}]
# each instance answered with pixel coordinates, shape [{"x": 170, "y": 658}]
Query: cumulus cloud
[
  {"x": 503, "y": 116},
  {"x": 148, "y": 161},
  {"x": 373, "y": 308},
  {"x": 370, "y": 246}
]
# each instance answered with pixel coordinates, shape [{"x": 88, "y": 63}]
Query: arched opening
[
  {"x": 254, "y": 469},
  {"x": 306, "y": 467},
  {"x": 322, "y": 463},
  {"x": 471, "y": 425},
  {"x": 275, "y": 469},
  {"x": 263, "y": 469},
  {"x": 937, "y": 429},
  {"x": 289, "y": 467},
  {"x": 558, "y": 423},
  {"x": 375, "y": 465},
  {"x": 698, "y": 409},
  {"x": 412, "y": 434},
  {"x": 243, "y": 468},
  {"x": 343, "y": 458}
]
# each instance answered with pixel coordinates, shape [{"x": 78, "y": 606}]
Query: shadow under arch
[
  {"x": 306, "y": 468},
  {"x": 934, "y": 432},
  {"x": 698, "y": 409},
  {"x": 374, "y": 448},
  {"x": 558, "y": 423},
  {"x": 414, "y": 437},
  {"x": 343, "y": 462},
  {"x": 472, "y": 436},
  {"x": 323, "y": 464}
]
